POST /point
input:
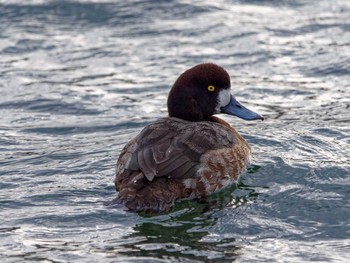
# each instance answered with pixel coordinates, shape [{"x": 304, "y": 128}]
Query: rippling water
[{"x": 80, "y": 78}]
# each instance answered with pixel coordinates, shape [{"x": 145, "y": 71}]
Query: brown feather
[{"x": 173, "y": 159}]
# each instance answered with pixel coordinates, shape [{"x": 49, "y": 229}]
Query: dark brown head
[{"x": 202, "y": 91}]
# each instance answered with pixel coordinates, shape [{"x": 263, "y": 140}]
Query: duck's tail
[{"x": 141, "y": 195}]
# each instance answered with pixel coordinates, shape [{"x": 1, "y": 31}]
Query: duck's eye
[{"x": 211, "y": 88}]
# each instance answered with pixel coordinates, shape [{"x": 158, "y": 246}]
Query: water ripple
[{"x": 80, "y": 78}]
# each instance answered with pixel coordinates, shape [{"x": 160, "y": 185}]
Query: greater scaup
[{"x": 189, "y": 154}]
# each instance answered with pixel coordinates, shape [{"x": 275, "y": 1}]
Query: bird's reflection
[{"x": 186, "y": 233}]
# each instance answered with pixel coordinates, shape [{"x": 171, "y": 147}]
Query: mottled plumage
[{"x": 189, "y": 154}]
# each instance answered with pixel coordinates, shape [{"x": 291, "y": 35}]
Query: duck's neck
[
  {"x": 218, "y": 120},
  {"x": 196, "y": 119}
]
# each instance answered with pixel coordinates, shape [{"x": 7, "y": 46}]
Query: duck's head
[{"x": 202, "y": 91}]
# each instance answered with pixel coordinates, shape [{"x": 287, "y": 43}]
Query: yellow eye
[{"x": 211, "y": 88}]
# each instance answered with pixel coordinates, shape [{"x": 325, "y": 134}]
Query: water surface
[{"x": 80, "y": 78}]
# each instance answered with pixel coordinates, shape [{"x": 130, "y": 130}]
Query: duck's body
[{"x": 189, "y": 154}]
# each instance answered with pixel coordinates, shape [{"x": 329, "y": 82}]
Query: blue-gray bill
[{"x": 237, "y": 109}]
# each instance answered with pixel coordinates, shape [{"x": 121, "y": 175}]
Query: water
[{"x": 80, "y": 78}]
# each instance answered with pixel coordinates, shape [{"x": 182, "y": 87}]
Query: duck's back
[{"x": 174, "y": 159}]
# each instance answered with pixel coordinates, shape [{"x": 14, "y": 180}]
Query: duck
[{"x": 190, "y": 154}]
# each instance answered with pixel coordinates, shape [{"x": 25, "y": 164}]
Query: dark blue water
[{"x": 80, "y": 78}]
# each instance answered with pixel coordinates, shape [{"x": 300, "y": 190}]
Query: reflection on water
[
  {"x": 184, "y": 234},
  {"x": 80, "y": 78}
]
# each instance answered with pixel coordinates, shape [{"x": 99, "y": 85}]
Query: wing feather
[{"x": 171, "y": 147}]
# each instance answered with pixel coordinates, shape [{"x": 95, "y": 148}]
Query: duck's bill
[{"x": 237, "y": 109}]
